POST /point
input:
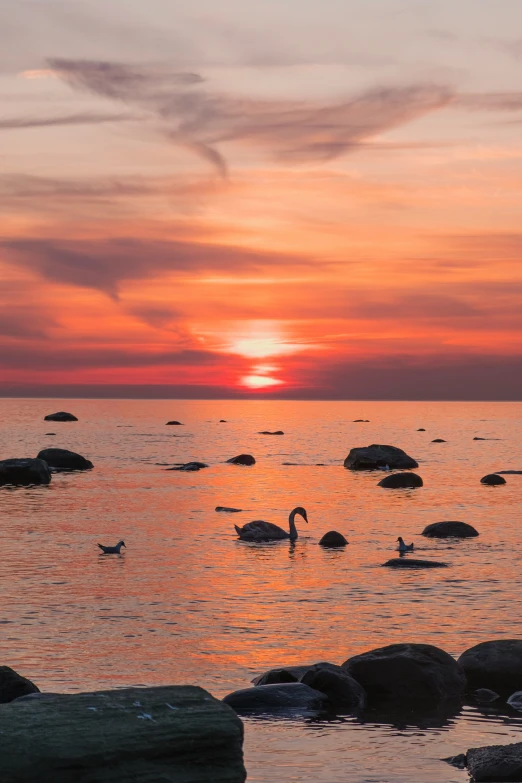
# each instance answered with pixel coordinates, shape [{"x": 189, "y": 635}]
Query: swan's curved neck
[{"x": 293, "y": 529}]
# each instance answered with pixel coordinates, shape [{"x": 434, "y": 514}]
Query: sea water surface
[{"x": 188, "y": 603}]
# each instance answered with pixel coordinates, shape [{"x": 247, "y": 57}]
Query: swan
[
  {"x": 112, "y": 550},
  {"x": 404, "y": 547},
  {"x": 266, "y": 531}
]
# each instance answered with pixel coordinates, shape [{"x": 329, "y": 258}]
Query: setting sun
[{"x": 259, "y": 381}]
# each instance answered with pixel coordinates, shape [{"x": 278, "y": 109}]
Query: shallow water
[{"x": 188, "y": 603}]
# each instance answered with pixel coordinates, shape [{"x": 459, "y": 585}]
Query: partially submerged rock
[
  {"x": 228, "y": 510},
  {"x": 289, "y": 673},
  {"x": 496, "y": 664},
  {"x": 60, "y": 416},
  {"x": 176, "y": 733},
  {"x": 190, "y": 467},
  {"x": 333, "y": 539},
  {"x": 13, "y": 685},
  {"x": 438, "y": 440},
  {"x": 515, "y": 701},
  {"x": 421, "y": 429},
  {"x": 242, "y": 459},
  {"x": 174, "y": 424},
  {"x": 290, "y": 698},
  {"x": 344, "y": 693},
  {"x": 24, "y": 472},
  {"x": 496, "y": 763},
  {"x": 409, "y": 562},
  {"x": 460, "y": 761},
  {"x": 401, "y": 481},
  {"x": 493, "y": 480},
  {"x": 450, "y": 530},
  {"x": 375, "y": 456},
  {"x": 62, "y": 459},
  {"x": 485, "y": 695},
  {"x": 266, "y": 432},
  {"x": 408, "y": 673}
]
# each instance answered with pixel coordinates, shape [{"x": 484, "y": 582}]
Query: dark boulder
[
  {"x": 190, "y": 467},
  {"x": 24, "y": 472},
  {"x": 242, "y": 459},
  {"x": 361, "y": 421},
  {"x": 450, "y": 530},
  {"x": 460, "y": 761},
  {"x": 375, "y": 456},
  {"x": 408, "y": 673},
  {"x": 222, "y": 421},
  {"x": 408, "y": 562},
  {"x": 485, "y": 696},
  {"x": 496, "y": 763},
  {"x": 515, "y": 701},
  {"x": 62, "y": 459},
  {"x": 60, "y": 416},
  {"x": 266, "y": 432},
  {"x": 344, "y": 693},
  {"x": 174, "y": 424},
  {"x": 479, "y": 438},
  {"x": 288, "y": 673},
  {"x": 401, "y": 481},
  {"x": 496, "y": 665},
  {"x": 290, "y": 697},
  {"x": 438, "y": 440},
  {"x": 492, "y": 480},
  {"x": 421, "y": 429},
  {"x": 228, "y": 510},
  {"x": 13, "y": 685},
  {"x": 333, "y": 539}
]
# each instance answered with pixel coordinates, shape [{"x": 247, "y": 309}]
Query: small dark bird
[{"x": 112, "y": 550}]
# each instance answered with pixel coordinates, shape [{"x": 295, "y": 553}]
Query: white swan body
[
  {"x": 266, "y": 531},
  {"x": 404, "y": 547}
]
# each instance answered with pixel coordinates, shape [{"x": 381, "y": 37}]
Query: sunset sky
[{"x": 306, "y": 198}]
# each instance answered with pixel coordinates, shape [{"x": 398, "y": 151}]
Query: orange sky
[{"x": 221, "y": 200}]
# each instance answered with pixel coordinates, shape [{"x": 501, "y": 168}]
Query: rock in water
[
  {"x": 401, "y": 481},
  {"x": 496, "y": 763},
  {"x": 438, "y": 440},
  {"x": 13, "y": 686},
  {"x": 24, "y": 472},
  {"x": 408, "y": 673},
  {"x": 515, "y": 701},
  {"x": 485, "y": 696},
  {"x": 288, "y": 673},
  {"x": 60, "y": 416},
  {"x": 421, "y": 429},
  {"x": 190, "y": 467},
  {"x": 495, "y": 664},
  {"x": 344, "y": 693},
  {"x": 492, "y": 480},
  {"x": 449, "y": 530},
  {"x": 375, "y": 456},
  {"x": 62, "y": 459},
  {"x": 290, "y": 698},
  {"x": 266, "y": 432},
  {"x": 409, "y": 562},
  {"x": 333, "y": 539},
  {"x": 176, "y": 733},
  {"x": 174, "y": 424},
  {"x": 228, "y": 510},
  {"x": 242, "y": 459}
]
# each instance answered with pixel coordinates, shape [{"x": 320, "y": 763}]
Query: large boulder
[
  {"x": 288, "y": 673},
  {"x": 401, "y": 481},
  {"x": 13, "y": 685},
  {"x": 242, "y": 459},
  {"x": 492, "y": 480},
  {"x": 410, "y": 562},
  {"x": 176, "y": 733},
  {"x": 24, "y": 472},
  {"x": 375, "y": 456},
  {"x": 496, "y": 763},
  {"x": 496, "y": 665},
  {"x": 449, "y": 530},
  {"x": 60, "y": 416},
  {"x": 344, "y": 693},
  {"x": 289, "y": 698},
  {"x": 333, "y": 539},
  {"x": 62, "y": 459},
  {"x": 403, "y": 673}
]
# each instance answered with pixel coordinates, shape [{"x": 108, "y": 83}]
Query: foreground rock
[
  {"x": 496, "y": 763},
  {"x": 289, "y": 698},
  {"x": 492, "y": 480},
  {"x": 60, "y": 416},
  {"x": 408, "y": 673},
  {"x": 242, "y": 459},
  {"x": 24, "y": 472},
  {"x": 228, "y": 510},
  {"x": 515, "y": 701},
  {"x": 172, "y": 734},
  {"x": 496, "y": 665},
  {"x": 13, "y": 685},
  {"x": 62, "y": 459},
  {"x": 401, "y": 481},
  {"x": 190, "y": 467},
  {"x": 375, "y": 456},
  {"x": 333, "y": 539},
  {"x": 289, "y": 673},
  {"x": 450, "y": 530},
  {"x": 344, "y": 693},
  {"x": 409, "y": 562}
]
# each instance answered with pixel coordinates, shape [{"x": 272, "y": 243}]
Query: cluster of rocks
[{"x": 29, "y": 471}]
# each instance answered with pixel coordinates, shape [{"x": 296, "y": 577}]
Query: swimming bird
[
  {"x": 266, "y": 531},
  {"x": 404, "y": 547},
  {"x": 112, "y": 550}
]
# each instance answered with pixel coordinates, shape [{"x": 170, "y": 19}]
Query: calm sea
[{"x": 188, "y": 603}]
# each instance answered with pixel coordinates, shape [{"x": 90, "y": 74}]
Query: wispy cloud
[{"x": 19, "y": 123}]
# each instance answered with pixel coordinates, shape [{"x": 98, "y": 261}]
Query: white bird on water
[
  {"x": 404, "y": 547},
  {"x": 112, "y": 550},
  {"x": 267, "y": 531}
]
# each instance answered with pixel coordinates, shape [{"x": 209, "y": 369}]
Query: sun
[{"x": 260, "y": 381}]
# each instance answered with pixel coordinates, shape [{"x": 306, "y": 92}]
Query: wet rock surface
[
  {"x": 495, "y": 664},
  {"x": 401, "y": 481},
  {"x": 62, "y": 459},
  {"x": 493, "y": 480},
  {"x": 242, "y": 459},
  {"x": 377, "y": 456},
  {"x": 333, "y": 539},
  {"x": 13, "y": 686},
  {"x": 290, "y": 697},
  {"x": 24, "y": 472},
  {"x": 60, "y": 416},
  {"x": 450, "y": 530},
  {"x": 495, "y": 763},
  {"x": 410, "y": 562}
]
